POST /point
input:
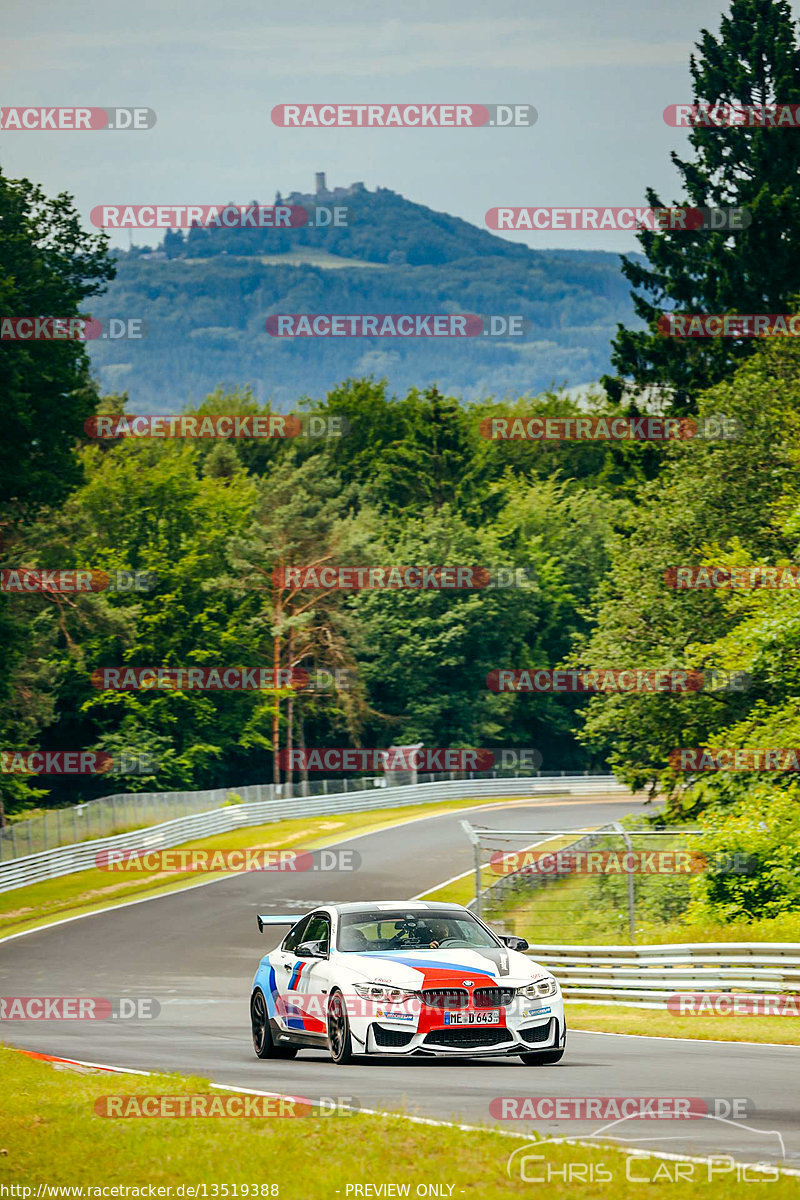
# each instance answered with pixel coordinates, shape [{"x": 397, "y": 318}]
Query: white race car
[{"x": 403, "y": 978}]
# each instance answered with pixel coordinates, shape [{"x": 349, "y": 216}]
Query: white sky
[{"x": 599, "y": 75}]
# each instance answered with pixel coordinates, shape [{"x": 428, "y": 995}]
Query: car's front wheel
[
  {"x": 262, "y": 1034},
  {"x": 339, "y": 1040}
]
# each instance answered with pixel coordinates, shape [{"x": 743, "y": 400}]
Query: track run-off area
[{"x": 195, "y": 952}]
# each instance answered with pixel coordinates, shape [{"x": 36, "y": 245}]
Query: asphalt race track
[{"x": 196, "y": 953}]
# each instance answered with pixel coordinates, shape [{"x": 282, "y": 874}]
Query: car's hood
[{"x": 416, "y": 969}]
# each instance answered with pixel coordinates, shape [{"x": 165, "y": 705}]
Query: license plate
[{"x": 487, "y": 1017}]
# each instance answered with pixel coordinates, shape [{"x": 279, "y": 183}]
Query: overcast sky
[{"x": 599, "y": 75}]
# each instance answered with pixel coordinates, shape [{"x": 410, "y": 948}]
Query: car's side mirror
[
  {"x": 515, "y": 943},
  {"x": 312, "y": 950}
]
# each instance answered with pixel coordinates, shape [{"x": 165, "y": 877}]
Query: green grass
[
  {"x": 52, "y": 1135},
  {"x": 593, "y": 910},
  {"x": 660, "y": 1023},
  {"x": 87, "y": 891}
]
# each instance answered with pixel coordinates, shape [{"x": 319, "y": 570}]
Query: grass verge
[
  {"x": 462, "y": 889},
  {"x": 704, "y": 1027},
  {"x": 52, "y": 1135}
]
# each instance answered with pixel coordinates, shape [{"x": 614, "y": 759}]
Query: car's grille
[
  {"x": 446, "y": 997},
  {"x": 540, "y": 1033},
  {"x": 492, "y": 997},
  {"x": 467, "y": 1036},
  {"x": 391, "y": 1037}
]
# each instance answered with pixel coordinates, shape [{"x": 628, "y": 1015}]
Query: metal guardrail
[
  {"x": 124, "y": 811},
  {"x": 647, "y": 976},
  {"x": 65, "y": 860},
  {"x": 134, "y": 810}
]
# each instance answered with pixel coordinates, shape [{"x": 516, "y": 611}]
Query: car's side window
[
  {"x": 296, "y": 934},
  {"x": 318, "y": 930}
]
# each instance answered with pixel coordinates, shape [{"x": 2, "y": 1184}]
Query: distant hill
[{"x": 206, "y": 294}]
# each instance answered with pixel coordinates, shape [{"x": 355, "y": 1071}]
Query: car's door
[
  {"x": 281, "y": 962},
  {"x": 304, "y": 978}
]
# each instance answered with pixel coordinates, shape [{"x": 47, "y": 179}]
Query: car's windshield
[{"x": 418, "y": 930}]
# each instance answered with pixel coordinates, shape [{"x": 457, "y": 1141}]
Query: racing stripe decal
[{"x": 297, "y": 971}]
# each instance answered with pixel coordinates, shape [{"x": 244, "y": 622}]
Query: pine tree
[{"x": 754, "y": 62}]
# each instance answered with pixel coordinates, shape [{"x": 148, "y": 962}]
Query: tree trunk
[
  {"x": 290, "y": 722},
  {"x": 276, "y": 712},
  {"x": 301, "y": 743}
]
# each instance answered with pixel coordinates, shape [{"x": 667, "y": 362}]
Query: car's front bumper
[{"x": 466, "y": 1040}]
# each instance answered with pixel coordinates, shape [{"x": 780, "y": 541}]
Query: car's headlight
[
  {"x": 383, "y": 993},
  {"x": 542, "y": 987}
]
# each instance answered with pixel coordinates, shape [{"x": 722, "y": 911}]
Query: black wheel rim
[
  {"x": 337, "y": 1030},
  {"x": 258, "y": 1017}
]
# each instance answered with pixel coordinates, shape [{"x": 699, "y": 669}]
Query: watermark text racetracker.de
[
  {"x": 76, "y": 118},
  {"x": 740, "y": 578},
  {"x": 71, "y": 329},
  {"x": 404, "y": 758},
  {"x": 255, "y": 426},
  {"x": 397, "y": 325},
  {"x": 217, "y": 216},
  {"x": 736, "y": 758},
  {"x": 734, "y": 1004},
  {"x": 434, "y": 578},
  {"x": 204, "y": 1105},
  {"x": 403, "y": 116},
  {"x": 728, "y": 325},
  {"x": 203, "y": 679},
  {"x": 72, "y": 581},
  {"x": 76, "y": 762},
  {"x": 195, "y": 860},
  {"x": 621, "y": 862},
  {"x": 607, "y": 429},
  {"x": 79, "y": 1008},
  {"x": 621, "y": 218},
  {"x": 677, "y": 680},
  {"x": 728, "y": 116}
]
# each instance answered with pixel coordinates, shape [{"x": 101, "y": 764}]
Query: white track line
[
  {"x": 414, "y": 1120},
  {"x": 655, "y": 1037}
]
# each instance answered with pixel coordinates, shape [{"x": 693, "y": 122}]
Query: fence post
[
  {"x": 74, "y": 822},
  {"x": 44, "y": 829},
  {"x": 58, "y": 827},
  {"x": 631, "y": 900},
  {"x": 13, "y": 841}
]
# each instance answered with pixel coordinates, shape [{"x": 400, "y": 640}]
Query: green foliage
[{"x": 755, "y": 60}]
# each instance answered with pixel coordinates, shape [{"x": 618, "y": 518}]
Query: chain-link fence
[
  {"x": 135, "y": 810},
  {"x": 603, "y": 885}
]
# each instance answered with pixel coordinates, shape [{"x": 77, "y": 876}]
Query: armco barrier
[
  {"x": 65, "y": 860},
  {"x": 646, "y": 976}
]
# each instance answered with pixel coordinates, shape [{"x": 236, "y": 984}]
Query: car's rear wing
[{"x": 277, "y": 919}]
